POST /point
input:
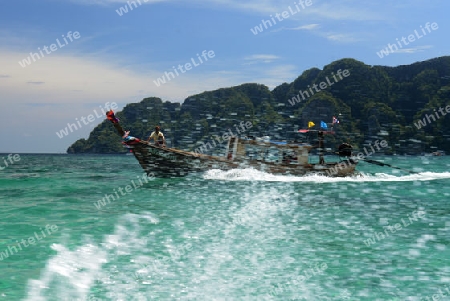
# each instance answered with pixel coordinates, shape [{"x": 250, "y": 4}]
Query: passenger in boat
[
  {"x": 284, "y": 158},
  {"x": 158, "y": 137},
  {"x": 289, "y": 157}
]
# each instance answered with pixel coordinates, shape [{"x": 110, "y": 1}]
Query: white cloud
[
  {"x": 354, "y": 10},
  {"x": 260, "y": 58},
  {"x": 302, "y": 27},
  {"x": 306, "y": 27},
  {"x": 413, "y": 50},
  {"x": 342, "y": 10},
  {"x": 59, "y": 75},
  {"x": 345, "y": 10},
  {"x": 342, "y": 38},
  {"x": 108, "y": 2},
  {"x": 60, "y": 78}
]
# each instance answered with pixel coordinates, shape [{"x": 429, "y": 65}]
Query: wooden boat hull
[
  {"x": 169, "y": 162},
  {"x": 241, "y": 153}
]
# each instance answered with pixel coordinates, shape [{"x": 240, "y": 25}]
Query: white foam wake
[
  {"x": 250, "y": 174},
  {"x": 71, "y": 275}
]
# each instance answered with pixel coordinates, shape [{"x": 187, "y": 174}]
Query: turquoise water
[{"x": 236, "y": 235}]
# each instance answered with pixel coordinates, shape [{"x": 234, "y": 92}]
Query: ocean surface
[{"x": 86, "y": 227}]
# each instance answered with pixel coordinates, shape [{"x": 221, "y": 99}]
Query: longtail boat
[{"x": 268, "y": 156}]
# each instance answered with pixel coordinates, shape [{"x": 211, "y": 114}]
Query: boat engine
[{"x": 345, "y": 150}]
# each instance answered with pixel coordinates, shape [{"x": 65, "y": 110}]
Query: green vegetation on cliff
[{"x": 372, "y": 102}]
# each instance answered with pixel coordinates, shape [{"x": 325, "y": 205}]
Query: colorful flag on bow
[
  {"x": 311, "y": 124},
  {"x": 111, "y": 117}
]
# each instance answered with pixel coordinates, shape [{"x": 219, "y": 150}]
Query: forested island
[{"x": 371, "y": 102}]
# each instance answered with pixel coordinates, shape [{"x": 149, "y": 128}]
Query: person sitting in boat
[
  {"x": 288, "y": 157},
  {"x": 158, "y": 137}
]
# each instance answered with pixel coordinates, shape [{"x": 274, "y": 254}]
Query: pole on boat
[
  {"x": 321, "y": 149},
  {"x": 345, "y": 150},
  {"x": 389, "y": 165}
]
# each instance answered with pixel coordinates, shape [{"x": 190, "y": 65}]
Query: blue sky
[{"x": 118, "y": 58}]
